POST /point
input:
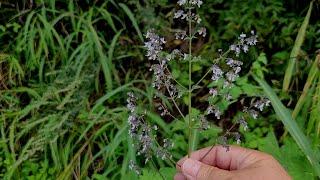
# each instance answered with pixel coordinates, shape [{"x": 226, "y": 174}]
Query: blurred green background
[{"x": 66, "y": 67}]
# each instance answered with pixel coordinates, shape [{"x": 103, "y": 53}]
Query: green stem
[
  {"x": 174, "y": 102},
  {"x": 209, "y": 70},
  {"x": 158, "y": 171},
  {"x": 190, "y": 87},
  {"x": 176, "y": 80}
]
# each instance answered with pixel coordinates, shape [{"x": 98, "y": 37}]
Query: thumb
[{"x": 194, "y": 169}]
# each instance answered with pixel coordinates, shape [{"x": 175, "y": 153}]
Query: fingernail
[{"x": 191, "y": 167}]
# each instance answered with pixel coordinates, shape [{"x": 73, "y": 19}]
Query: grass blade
[
  {"x": 107, "y": 16},
  {"x": 132, "y": 18},
  {"x": 102, "y": 58},
  {"x": 101, "y": 100},
  {"x": 296, "y": 49},
  {"x": 311, "y": 77},
  {"x": 285, "y": 116},
  {"x": 314, "y": 120},
  {"x": 111, "y": 57}
]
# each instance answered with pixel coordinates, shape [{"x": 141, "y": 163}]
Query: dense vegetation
[{"x": 66, "y": 68}]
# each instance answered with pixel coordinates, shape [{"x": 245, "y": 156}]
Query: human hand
[{"x": 237, "y": 163}]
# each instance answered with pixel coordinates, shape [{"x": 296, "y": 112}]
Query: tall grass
[{"x": 61, "y": 58}]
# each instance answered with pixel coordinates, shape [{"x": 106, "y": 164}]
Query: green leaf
[
  {"x": 285, "y": 116},
  {"x": 296, "y": 164},
  {"x": 289, "y": 155},
  {"x": 132, "y": 18},
  {"x": 314, "y": 71},
  {"x": 258, "y": 66},
  {"x": 270, "y": 145},
  {"x": 168, "y": 173},
  {"x": 148, "y": 174},
  {"x": 296, "y": 49}
]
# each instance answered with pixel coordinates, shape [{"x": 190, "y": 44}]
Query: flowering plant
[{"x": 224, "y": 71}]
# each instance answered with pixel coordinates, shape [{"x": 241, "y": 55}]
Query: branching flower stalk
[{"x": 224, "y": 70}]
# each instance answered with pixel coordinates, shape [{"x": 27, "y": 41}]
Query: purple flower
[
  {"x": 181, "y": 35},
  {"x": 216, "y": 72},
  {"x": 243, "y": 123},
  {"x": 213, "y": 92},
  {"x": 131, "y": 102},
  {"x": 244, "y": 43},
  {"x": 182, "y": 2},
  {"x": 237, "y": 137},
  {"x": 202, "y": 31},
  {"x": 134, "y": 167},
  {"x": 260, "y": 104},
  {"x": 154, "y": 45},
  {"x": 196, "y": 2},
  {"x": 231, "y": 76},
  {"x": 214, "y": 110},
  {"x": 179, "y": 14},
  {"x": 204, "y": 124}
]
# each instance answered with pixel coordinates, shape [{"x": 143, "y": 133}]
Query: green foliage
[
  {"x": 296, "y": 49},
  {"x": 164, "y": 173},
  {"x": 289, "y": 155},
  {"x": 65, "y": 68},
  {"x": 285, "y": 116}
]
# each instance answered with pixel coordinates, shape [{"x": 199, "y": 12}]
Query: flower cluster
[
  {"x": 162, "y": 79},
  {"x": 212, "y": 109},
  {"x": 181, "y": 35},
  {"x": 131, "y": 102},
  {"x": 204, "y": 123},
  {"x": 163, "y": 110},
  {"x": 188, "y": 15},
  {"x": 181, "y": 14},
  {"x": 256, "y": 106},
  {"x": 154, "y": 45},
  {"x": 190, "y": 2},
  {"x": 244, "y": 43},
  {"x": 243, "y": 122},
  {"x": 163, "y": 152},
  {"x": 261, "y": 104},
  {"x": 227, "y": 70},
  {"x": 230, "y": 74},
  {"x": 134, "y": 167},
  {"x": 139, "y": 130},
  {"x": 144, "y": 136}
]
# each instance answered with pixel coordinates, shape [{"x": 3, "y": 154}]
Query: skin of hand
[{"x": 236, "y": 164}]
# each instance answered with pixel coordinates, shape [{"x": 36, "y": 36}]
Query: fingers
[
  {"x": 193, "y": 169},
  {"x": 217, "y": 163},
  {"x": 234, "y": 159}
]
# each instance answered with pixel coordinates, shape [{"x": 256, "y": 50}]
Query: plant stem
[
  {"x": 190, "y": 139},
  {"x": 227, "y": 132},
  {"x": 155, "y": 167},
  {"x": 176, "y": 80},
  {"x": 174, "y": 102},
  {"x": 209, "y": 70}
]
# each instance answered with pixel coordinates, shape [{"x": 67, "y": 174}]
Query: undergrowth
[{"x": 66, "y": 68}]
